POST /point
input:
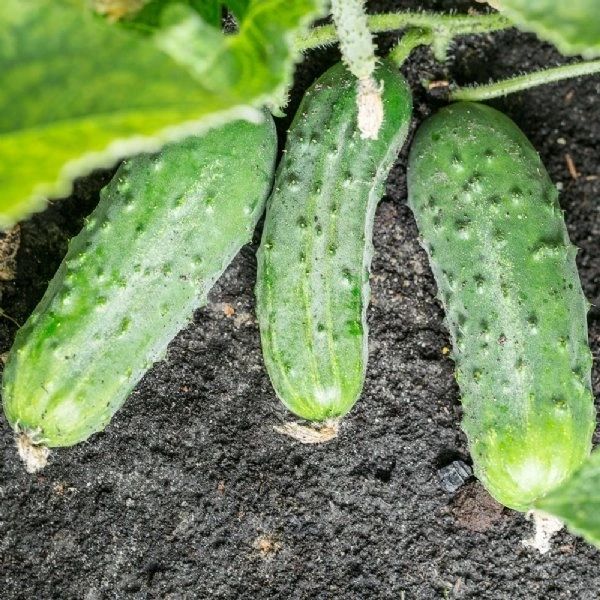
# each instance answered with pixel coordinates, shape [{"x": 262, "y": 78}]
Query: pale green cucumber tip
[{"x": 518, "y": 485}]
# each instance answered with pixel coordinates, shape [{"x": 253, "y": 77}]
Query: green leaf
[
  {"x": 151, "y": 13},
  {"x": 577, "y": 501},
  {"x": 78, "y": 93},
  {"x": 238, "y": 7},
  {"x": 572, "y": 25},
  {"x": 245, "y": 63},
  {"x": 150, "y": 16}
]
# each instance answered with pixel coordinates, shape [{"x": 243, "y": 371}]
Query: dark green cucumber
[
  {"x": 505, "y": 269},
  {"x": 313, "y": 263},
  {"x": 165, "y": 228}
]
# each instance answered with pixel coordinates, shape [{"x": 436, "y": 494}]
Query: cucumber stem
[
  {"x": 524, "y": 82},
  {"x": 358, "y": 54},
  {"x": 356, "y": 41},
  {"x": 452, "y": 25},
  {"x": 412, "y": 39}
]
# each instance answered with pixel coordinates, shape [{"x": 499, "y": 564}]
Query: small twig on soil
[
  {"x": 315, "y": 433},
  {"x": 573, "y": 172},
  {"x": 7, "y": 316},
  {"x": 438, "y": 83}
]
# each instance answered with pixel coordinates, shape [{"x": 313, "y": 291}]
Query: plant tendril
[{"x": 524, "y": 82}]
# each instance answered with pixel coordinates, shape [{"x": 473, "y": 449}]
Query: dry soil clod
[
  {"x": 267, "y": 546},
  {"x": 32, "y": 453},
  {"x": 545, "y": 527},
  {"x": 315, "y": 433}
]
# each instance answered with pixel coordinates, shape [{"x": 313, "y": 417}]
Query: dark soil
[{"x": 190, "y": 494}]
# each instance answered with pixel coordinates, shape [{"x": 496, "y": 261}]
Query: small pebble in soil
[
  {"x": 454, "y": 475},
  {"x": 267, "y": 545}
]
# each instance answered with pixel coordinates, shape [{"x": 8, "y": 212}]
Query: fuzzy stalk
[
  {"x": 358, "y": 54},
  {"x": 455, "y": 25},
  {"x": 412, "y": 39},
  {"x": 477, "y": 93}
]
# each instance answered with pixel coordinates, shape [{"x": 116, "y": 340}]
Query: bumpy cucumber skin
[
  {"x": 164, "y": 230},
  {"x": 505, "y": 269},
  {"x": 313, "y": 263}
]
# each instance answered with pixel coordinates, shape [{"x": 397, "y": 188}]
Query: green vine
[
  {"x": 412, "y": 39},
  {"x": 438, "y": 30},
  {"x": 447, "y": 25},
  {"x": 524, "y": 82}
]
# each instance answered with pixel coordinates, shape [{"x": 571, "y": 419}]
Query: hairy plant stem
[
  {"x": 524, "y": 82},
  {"x": 412, "y": 39},
  {"x": 356, "y": 40},
  {"x": 451, "y": 25}
]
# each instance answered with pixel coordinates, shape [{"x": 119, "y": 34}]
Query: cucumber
[
  {"x": 165, "y": 228},
  {"x": 312, "y": 286},
  {"x": 491, "y": 224}
]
